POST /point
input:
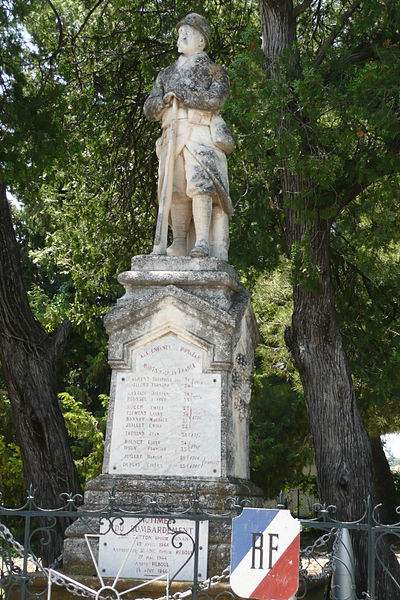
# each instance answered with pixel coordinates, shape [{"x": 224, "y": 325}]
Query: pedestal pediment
[{"x": 173, "y": 310}]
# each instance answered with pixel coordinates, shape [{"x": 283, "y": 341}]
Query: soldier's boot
[
  {"x": 201, "y": 207},
  {"x": 181, "y": 215},
  {"x": 219, "y": 243}
]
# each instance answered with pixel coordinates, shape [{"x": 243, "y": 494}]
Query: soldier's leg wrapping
[
  {"x": 180, "y": 211},
  {"x": 219, "y": 244},
  {"x": 181, "y": 215},
  {"x": 201, "y": 207}
]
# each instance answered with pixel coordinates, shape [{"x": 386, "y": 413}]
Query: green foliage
[
  {"x": 308, "y": 484},
  {"x": 48, "y": 310},
  {"x": 11, "y": 477},
  {"x": 256, "y": 231},
  {"x": 340, "y": 135},
  {"x": 77, "y": 151},
  {"x": 396, "y": 479},
  {"x": 31, "y": 100},
  {"x": 280, "y": 444},
  {"x": 87, "y": 444},
  {"x": 305, "y": 272},
  {"x": 87, "y": 436},
  {"x": 365, "y": 259}
]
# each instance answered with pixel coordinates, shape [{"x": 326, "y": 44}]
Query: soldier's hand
[{"x": 169, "y": 96}]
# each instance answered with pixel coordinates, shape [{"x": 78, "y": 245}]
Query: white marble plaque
[
  {"x": 167, "y": 414},
  {"x": 149, "y": 549}
]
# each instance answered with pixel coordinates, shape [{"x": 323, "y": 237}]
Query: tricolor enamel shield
[{"x": 265, "y": 554}]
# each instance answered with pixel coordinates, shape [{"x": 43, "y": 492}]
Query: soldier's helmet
[{"x": 198, "y": 22}]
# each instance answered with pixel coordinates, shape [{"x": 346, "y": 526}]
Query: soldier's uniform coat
[{"x": 201, "y": 167}]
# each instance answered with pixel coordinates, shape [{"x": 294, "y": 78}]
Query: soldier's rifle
[{"x": 161, "y": 234}]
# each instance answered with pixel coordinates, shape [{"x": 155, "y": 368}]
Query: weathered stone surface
[
  {"x": 211, "y": 280},
  {"x": 190, "y": 322},
  {"x": 149, "y": 547},
  {"x": 193, "y": 175},
  {"x": 214, "y": 319},
  {"x": 172, "y": 493},
  {"x": 77, "y": 559},
  {"x": 161, "y": 426}
]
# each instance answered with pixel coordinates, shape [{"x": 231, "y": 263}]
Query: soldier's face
[{"x": 190, "y": 40}]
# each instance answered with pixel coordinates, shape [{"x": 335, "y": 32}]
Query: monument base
[
  {"x": 181, "y": 348},
  {"x": 164, "y": 495},
  {"x": 174, "y": 493}
]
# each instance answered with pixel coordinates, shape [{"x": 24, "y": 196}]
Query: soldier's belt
[{"x": 191, "y": 115}]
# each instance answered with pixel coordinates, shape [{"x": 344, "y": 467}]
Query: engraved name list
[{"x": 167, "y": 415}]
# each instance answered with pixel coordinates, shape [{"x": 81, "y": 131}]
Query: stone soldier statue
[{"x": 187, "y": 97}]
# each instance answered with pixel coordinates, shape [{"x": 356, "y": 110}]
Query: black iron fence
[{"x": 326, "y": 571}]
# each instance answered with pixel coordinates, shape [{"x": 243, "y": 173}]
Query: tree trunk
[
  {"x": 28, "y": 356},
  {"x": 341, "y": 444},
  {"x": 386, "y": 493}
]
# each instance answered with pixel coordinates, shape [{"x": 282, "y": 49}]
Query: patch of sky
[
  {"x": 14, "y": 200},
  {"x": 391, "y": 445}
]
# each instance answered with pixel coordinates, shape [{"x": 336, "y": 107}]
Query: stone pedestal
[{"x": 181, "y": 346}]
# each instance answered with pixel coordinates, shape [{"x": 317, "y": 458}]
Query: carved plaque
[
  {"x": 167, "y": 413},
  {"x": 148, "y": 547}
]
